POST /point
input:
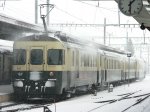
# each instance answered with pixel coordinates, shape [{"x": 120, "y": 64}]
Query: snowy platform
[
  {"x": 5, "y": 93},
  {"x": 6, "y": 89}
]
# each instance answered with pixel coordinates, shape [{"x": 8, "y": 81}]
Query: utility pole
[
  {"x": 128, "y": 55},
  {"x": 36, "y": 11},
  {"x": 47, "y": 13},
  {"x": 118, "y": 17},
  {"x": 104, "y": 31}
]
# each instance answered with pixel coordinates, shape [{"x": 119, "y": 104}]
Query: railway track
[
  {"x": 27, "y": 107},
  {"x": 135, "y": 97},
  {"x": 21, "y": 106},
  {"x": 127, "y": 96}
]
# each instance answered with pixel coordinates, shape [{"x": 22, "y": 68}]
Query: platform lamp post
[{"x": 128, "y": 55}]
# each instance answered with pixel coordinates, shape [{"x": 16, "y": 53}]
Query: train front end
[{"x": 37, "y": 69}]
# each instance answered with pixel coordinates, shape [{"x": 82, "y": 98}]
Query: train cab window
[
  {"x": 55, "y": 57},
  {"x": 19, "y": 56},
  {"x": 36, "y": 56}
]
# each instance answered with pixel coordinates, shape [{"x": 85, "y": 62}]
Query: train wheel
[
  {"x": 65, "y": 95},
  {"x": 68, "y": 95}
]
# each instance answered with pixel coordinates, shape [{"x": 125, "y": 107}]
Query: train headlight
[
  {"x": 50, "y": 84},
  {"x": 18, "y": 83},
  {"x": 51, "y": 74}
]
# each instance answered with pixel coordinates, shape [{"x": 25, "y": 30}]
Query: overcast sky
[
  {"x": 77, "y": 12},
  {"x": 65, "y": 11}
]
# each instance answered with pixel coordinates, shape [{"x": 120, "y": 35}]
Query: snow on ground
[{"x": 87, "y": 103}]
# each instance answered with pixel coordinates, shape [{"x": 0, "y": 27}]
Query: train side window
[
  {"x": 95, "y": 62},
  {"x": 100, "y": 62},
  {"x": 77, "y": 58},
  {"x": 55, "y": 57},
  {"x": 84, "y": 60},
  {"x": 73, "y": 57},
  {"x": 110, "y": 63},
  {"x": 107, "y": 63},
  {"x": 90, "y": 61},
  {"x": 36, "y": 56},
  {"x": 114, "y": 64},
  {"x": 0, "y": 62},
  {"x": 19, "y": 56}
]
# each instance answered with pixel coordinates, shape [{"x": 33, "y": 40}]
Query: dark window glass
[
  {"x": 36, "y": 56},
  {"x": 19, "y": 56},
  {"x": 1, "y": 62},
  {"x": 55, "y": 57}
]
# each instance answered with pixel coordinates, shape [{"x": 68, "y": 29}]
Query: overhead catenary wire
[
  {"x": 13, "y": 11},
  {"x": 71, "y": 15},
  {"x": 98, "y": 6}
]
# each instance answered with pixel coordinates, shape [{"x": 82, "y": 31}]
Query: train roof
[
  {"x": 6, "y": 50},
  {"x": 72, "y": 39},
  {"x": 58, "y": 36},
  {"x": 35, "y": 37}
]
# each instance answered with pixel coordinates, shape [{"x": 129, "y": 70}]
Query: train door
[
  {"x": 103, "y": 70},
  {"x": 99, "y": 68},
  {"x": 37, "y": 61},
  {"x": 69, "y": 65},
  {"x": 1, "y": 67},
  {"x": 136, "y": 69},
  {"x": 77, "y": 63},
  {"x": 7, "y": 68}
]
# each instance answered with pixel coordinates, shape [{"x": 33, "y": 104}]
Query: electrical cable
[
  {"x": 98, "y": 6},
  {"x": 70, "y": 14},
  {"x": 14, "y": 10}
]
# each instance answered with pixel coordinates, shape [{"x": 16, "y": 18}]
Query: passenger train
[
  {"x": 5, "y": 65},
  {"x": 57, "y": 65}
]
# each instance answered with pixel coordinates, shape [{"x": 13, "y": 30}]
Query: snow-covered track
[
  {"x": 21, "y": 106},
  {"x": 137, "y": 100}
]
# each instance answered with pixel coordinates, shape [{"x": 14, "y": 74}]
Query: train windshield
[
  {"x": 36, "y": 56},
  {"x": 19, "y": 56},
  {"x": 55, "y": 57}
]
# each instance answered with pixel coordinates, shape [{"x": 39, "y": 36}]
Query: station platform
[{"x": 6, "y": 93}]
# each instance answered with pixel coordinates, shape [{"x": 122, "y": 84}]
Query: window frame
[
  {"x": 62, "y": 58},
  {"x": 15, "y": 62},
  {"x": 39, "y": 63}
]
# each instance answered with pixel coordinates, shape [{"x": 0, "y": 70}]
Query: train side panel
[
  {"x": 5, "y": 68},
  {"x": 7, "y": 71},
  {"x": 45, "y": 68}
]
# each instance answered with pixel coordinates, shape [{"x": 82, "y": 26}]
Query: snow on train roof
[
  {"x": 59, "y": 36},
  {"x": 5, "y": 49},
  {"x": 37, "y": 37}
]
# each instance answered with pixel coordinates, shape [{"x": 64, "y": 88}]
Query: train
[
  {"x": 5, "y": 65},
  {"x": 57, "y": 65}
]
